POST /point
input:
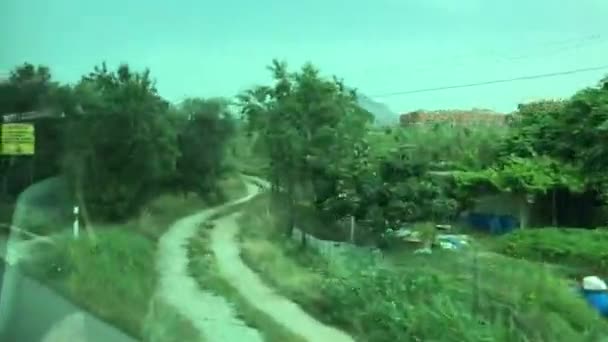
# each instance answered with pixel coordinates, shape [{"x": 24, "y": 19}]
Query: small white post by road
[{"x": 75, "y": 228}]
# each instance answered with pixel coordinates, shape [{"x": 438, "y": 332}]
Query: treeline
[
  {"x": 115, "y": 139},
  {"x": 120, "y": 143},
  {"x": 553, "y": 156},
  {"x": 325, "y": 155}
]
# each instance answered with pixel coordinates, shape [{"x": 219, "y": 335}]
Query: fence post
[{"x": 75, "y": 228}]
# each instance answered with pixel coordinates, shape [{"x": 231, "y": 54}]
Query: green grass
[
  {"x": 204, "y": 268},
  {"x": 446, "y": 296},
  {"x": 115, "y": 276},
  {"x": 164, "y": 324},
  {"x": 583, "y": 250},
  {"x": 161, "y": 212}
]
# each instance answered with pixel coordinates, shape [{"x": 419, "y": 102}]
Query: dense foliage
[
  {"x": 321, "y": 148},
  {"x": 324, "y": 153},
  {"x": 117, "y": 141},
  {"x": 575, "y": 248}
]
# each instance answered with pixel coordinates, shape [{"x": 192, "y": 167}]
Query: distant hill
[{"x": 383, "y": 116}]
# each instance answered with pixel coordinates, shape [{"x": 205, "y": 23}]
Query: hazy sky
[{"x": 217, "y": 48}]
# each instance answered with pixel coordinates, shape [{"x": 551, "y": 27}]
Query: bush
[
  {"x": 582, "y": 249},
  {"x": 158, "y": 214},
  {"x": 500, "y": 300}
]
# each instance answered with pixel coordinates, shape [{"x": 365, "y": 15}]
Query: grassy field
[
  {"x": 204, "y": 268},
  {"x": 114, "y": 276},
  {"x": 446, "y": 296}
]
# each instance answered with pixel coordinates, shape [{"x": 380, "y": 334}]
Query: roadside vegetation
[
  {"x": 136, "y": 165},
  {"x": 203, "y": 267},
  {"x": 140, "y": 162},
  {"x": 114, "y": 275},
  {"x": 446, "y": 296},
  {"x": 337, "y": 177},
  {"x": 580, "y": 251}
]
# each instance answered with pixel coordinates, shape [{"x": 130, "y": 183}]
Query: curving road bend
[
  {"x": 261, "y": 296},
  {"x": 212, "y": 315}
]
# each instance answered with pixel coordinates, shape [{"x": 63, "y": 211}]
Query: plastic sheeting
[{"x": 494, "y": 224}]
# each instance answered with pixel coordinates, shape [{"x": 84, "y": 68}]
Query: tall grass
[
  {"x": 162, "y": 211},
  {"x": 165, "y": 324},
  {"x": 449, "y": 296},
  {"x": 114, "y": 277}
]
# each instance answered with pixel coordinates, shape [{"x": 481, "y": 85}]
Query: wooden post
[
  {"x": 553, "y": 209},
  {"x": 352, "y": 229}
]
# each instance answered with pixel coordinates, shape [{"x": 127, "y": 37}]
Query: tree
[
  {"x": 540, "y": 128},
  {"x": 525, "y": 178},
  {"x": 307, "y": 122},
  {"x": 121, "y": 145},
  {"x": 30, "y": 88},
  {"x": 571, "y": 131},
  {"x": 203, "y": 138}
]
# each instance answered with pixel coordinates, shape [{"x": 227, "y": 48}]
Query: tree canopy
[{"x": 119, "y": 142}]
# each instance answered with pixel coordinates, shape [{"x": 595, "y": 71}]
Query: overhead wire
[
  {"x": 507, "y": 80},
  {"x": 581, "y": 42},
  {"x": 506, "y": 58},
  {"x": 460, "y": 60}
]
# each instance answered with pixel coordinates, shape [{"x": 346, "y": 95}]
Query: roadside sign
[{"x": 17, "y": 139}]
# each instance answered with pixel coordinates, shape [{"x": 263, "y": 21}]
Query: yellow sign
[{"x": 17, "y": 139}]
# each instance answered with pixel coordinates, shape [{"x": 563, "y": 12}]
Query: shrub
[{"x": 582, "y": 249}]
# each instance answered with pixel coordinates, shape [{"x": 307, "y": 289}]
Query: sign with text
[{"x": 17, "y": 139}]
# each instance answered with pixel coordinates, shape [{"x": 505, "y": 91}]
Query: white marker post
[{"x": 75, "y": 227}]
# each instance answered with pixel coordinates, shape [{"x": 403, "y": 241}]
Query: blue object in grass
[
  {"x": 598, "y": 300},
  {"x": 494, "y": 224}
]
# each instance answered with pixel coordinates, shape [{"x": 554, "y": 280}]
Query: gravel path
[
  {"x": 251, "y": 287},
  {"x": 212, "y": 315}
]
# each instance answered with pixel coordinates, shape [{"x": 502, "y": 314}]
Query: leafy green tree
[
  {"x": 30, "y": 88},
  {"x": 571, "y": 131},
  {"x": 525, "y": 178},
  {"x": 121, "y": 145},
  {"x": 203, "y": 139},
  {"x": 307, "y": 122},
  {"x": 539, "y": 128}
]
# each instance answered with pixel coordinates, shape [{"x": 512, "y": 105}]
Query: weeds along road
[{"x": 214, "y": 316}]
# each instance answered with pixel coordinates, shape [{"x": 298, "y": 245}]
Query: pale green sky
[{"x": 217, "y": 48}]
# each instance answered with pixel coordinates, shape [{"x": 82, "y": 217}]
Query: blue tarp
[{"x": 494, "y": 224}]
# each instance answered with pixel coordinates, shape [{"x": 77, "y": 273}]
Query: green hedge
[{"x": 583, "y": 249}]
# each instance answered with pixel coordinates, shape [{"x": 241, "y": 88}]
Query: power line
[
  {"x": 460, "y": 60},
  {"x": 501, "y": 57},
  {"x": 477, "y": 84}
]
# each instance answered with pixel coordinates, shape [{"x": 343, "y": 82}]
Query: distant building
[{"x": 473, "y": 117}]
